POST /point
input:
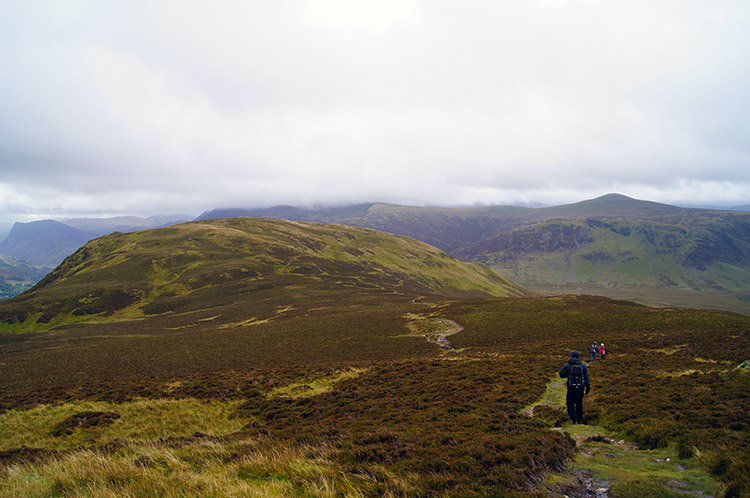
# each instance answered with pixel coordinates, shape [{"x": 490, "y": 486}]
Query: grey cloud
[{"x": 183, "y": 106}]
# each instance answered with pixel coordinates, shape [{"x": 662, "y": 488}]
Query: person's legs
[
  {"x": 570, "y": 400},
  {"x": 579, "y": 406}
]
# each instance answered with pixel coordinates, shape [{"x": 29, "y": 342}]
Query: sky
[{"x": 154, "y": 107}]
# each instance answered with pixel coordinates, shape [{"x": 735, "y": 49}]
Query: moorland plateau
[{"x": 259, "y": 357}]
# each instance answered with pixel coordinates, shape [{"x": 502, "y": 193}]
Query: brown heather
[{"x": 307, "y": 387}]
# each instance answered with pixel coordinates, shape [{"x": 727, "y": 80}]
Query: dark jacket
[{"x": 566, "y": 368}]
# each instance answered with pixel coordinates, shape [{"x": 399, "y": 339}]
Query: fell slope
[
  {"x": 238, "y": 261},
  {"x": 669, "y": 255},
  {"x": 610, "y": 256},
  {"x": 451, "y": 229}
]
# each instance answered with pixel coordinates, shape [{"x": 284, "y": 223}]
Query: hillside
[
  {"x": 42, "y": 245},
  {"x": 263, "y": 357},
  {"x": 618, "y": 256},
  {"x": 453, "y": 228},
  {"x": 252, "y": 266},
  {"x": 675, "y": 257}
]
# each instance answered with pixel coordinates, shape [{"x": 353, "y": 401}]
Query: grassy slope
[
  {"x": 652, "y": 262},
  {"x": 628, "y": 254},
  {"x": 453, "y": 228},
  {"x": 200, "y": 265}
]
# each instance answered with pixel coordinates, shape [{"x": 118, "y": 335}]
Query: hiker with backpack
[
  {"x": 602, "y": 351},
  {"x": 594, "y": 350},
  {"x": 578, "y": 384}
]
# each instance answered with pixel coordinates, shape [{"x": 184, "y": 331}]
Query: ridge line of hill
[{"x": 612, "y": 245}]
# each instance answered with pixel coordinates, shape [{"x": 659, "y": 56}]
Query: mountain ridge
[
  {"x": 465, "y": 231},
  {"x": 43, "y": 243}
]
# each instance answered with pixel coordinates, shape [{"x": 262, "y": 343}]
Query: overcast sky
[{"x": 148, "y": 107}]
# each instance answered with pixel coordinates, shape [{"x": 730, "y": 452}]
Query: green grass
[
  {"x": 624, "y": 467},
  {"x": 618, "y": 464},
  {"x": 142, "y": 420}
]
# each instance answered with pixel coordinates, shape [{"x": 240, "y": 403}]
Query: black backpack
[{"x": 575, "y": 375}]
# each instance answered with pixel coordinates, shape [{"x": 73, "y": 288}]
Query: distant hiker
[
  {"x": 594, "y": 351},
  {"x": 602, "y": 351},
  {"x": 578, "y": 384}
]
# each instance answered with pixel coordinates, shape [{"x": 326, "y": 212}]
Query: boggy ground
[{"x": 420, "y": 420}]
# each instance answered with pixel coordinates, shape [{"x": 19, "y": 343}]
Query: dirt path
[
  {"x": 444, "y": 329},
  {"x": 605, "y": 461},
  {"x": 434, "y": 329}
]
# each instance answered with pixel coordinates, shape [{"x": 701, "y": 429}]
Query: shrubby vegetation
[{"x": 426, "y": 423}]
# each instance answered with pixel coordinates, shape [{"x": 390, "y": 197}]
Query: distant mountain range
[
  {"x": 612, "y": 245},
  {"x": 46, "y": 243},
  {"x": 453, "y": 228},
  {"x": 31, "y": 250}
]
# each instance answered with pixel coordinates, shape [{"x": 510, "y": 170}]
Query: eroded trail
[
  {"x": 434, "y": 329},
  {"x": 606, "y": 461},
  {"x": 443, "y": 329}
]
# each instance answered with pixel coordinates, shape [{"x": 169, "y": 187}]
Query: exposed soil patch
[{"x": 83, "y": 420}]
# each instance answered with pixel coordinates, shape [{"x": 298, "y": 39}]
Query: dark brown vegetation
[{"x": 451, "y": 419}]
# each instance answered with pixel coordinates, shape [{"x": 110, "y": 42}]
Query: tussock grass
[
  {"x": 680, "y": 373},
  {"x": 709, "y": 360},
  {"x": 142, "y": 420},
  {"x": 244, "y": 468}
]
